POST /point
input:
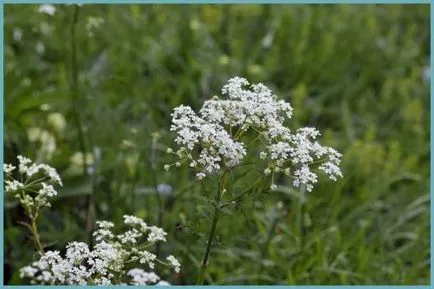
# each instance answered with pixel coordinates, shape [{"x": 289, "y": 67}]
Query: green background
[{"x": 359, "y": 73}]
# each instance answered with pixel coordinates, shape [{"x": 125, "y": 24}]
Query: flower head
[
  {"x": 107, "y": 262},
  {"x": 214, "y": 139}
]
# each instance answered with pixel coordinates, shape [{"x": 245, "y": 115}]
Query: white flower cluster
[
  {"x": 213, "y": 139},
  {"x": 36, "y": 186},
  {"x": 108, "y": 262},
  {"x": 217, "y": 146}
]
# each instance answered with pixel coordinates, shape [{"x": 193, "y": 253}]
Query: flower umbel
[
  {"x": 34, "y": 190},
  {"x": 107, "y": 263},
  {"x": 214, "y": 139}
]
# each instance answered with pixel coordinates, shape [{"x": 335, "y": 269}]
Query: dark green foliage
[{"x": 356, "y": 72}]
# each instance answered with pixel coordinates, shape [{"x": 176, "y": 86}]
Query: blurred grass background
[{"x": 101, "y": 81}]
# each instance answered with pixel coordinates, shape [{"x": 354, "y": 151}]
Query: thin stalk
[
  {"x": 36, "y": 238},
  {"x": 300, "y": 216},
  {"x": 159, "y": 207},
  {"x": 155, "y": 181},
  {"x": 154, "y": 178},
  {"x": 204, "y": 263}
]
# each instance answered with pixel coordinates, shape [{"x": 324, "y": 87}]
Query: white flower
[
  {"x": 156, "y": 234},
  {"x": 23, "y": 162},
  {"x": 200, "y": 176},
  {"x": 30, "y": 197},
  {"x": 47, "y": 191},
  {"x": 212, "y": 140},
  {"x": 76, "y": 252},
  {"x": 104, "y": 232},
  {"x": 174, "y": 263},
  {"x": 52, "y": 173},
  {"x": 26, "y": 167},
  {"x": 8, "y": 168},
  {"x": 104, "y": 265},
  {"x": 47, "y": 9},
  {"x": 217, "y": 146},
  {"x": 146, "y": 257},
  {"x": 140, "y": 277},
  {"x": 130, "y": 236},
  {"x": 132, "y": 220},
  {"x": 104, "y": 224},
  {"x": 28, "y": 272},
  {"x": 12, "y": 186},
  {"x": 103, "y": 281}
]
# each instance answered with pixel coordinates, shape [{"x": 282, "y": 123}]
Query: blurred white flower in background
[
  {"x": 40, "y": 48},
  {"x": 17, "y": 34},
  {"x": 47, "y": 9},
  {"x": 92, "y": 24}
]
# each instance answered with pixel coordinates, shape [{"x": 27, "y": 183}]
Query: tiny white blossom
[
  {"x": 200, "y": 176},
  {"x": 146, "y": 257},
  {"x": 132, "y": 220},
  {"x": 175, "y": 263},
  {"x": 8, "y": 168},
  {"x": 76, "y": 252},
  {"x": 47, "y": 190},
  {"x": 140, "y": 277},
  {"x": 12, "y": 186},
  {"x": 130, "y": 236},
  {"x": 156, "y": 234},
  {"x": 104, "y": 224}
]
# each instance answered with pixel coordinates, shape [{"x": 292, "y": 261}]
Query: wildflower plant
[
  {"x": 33, "y": 185},
  {"x": 116, "y": 259},
  {"x": 247, "y": 125},
  {"x": 123, "y": 258}
]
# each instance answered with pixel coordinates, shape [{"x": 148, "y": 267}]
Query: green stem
[
  {"x": 300, "y": 215},
  {"x": 36, "y": 237},
  {"x": 160, "y": 204},
  {"x": 204, "y": 263}
]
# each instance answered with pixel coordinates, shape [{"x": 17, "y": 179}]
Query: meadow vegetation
[{"x": 90, "y": 90}]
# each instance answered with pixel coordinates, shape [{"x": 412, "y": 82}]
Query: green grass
[{"x": 356, "y": 72}]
